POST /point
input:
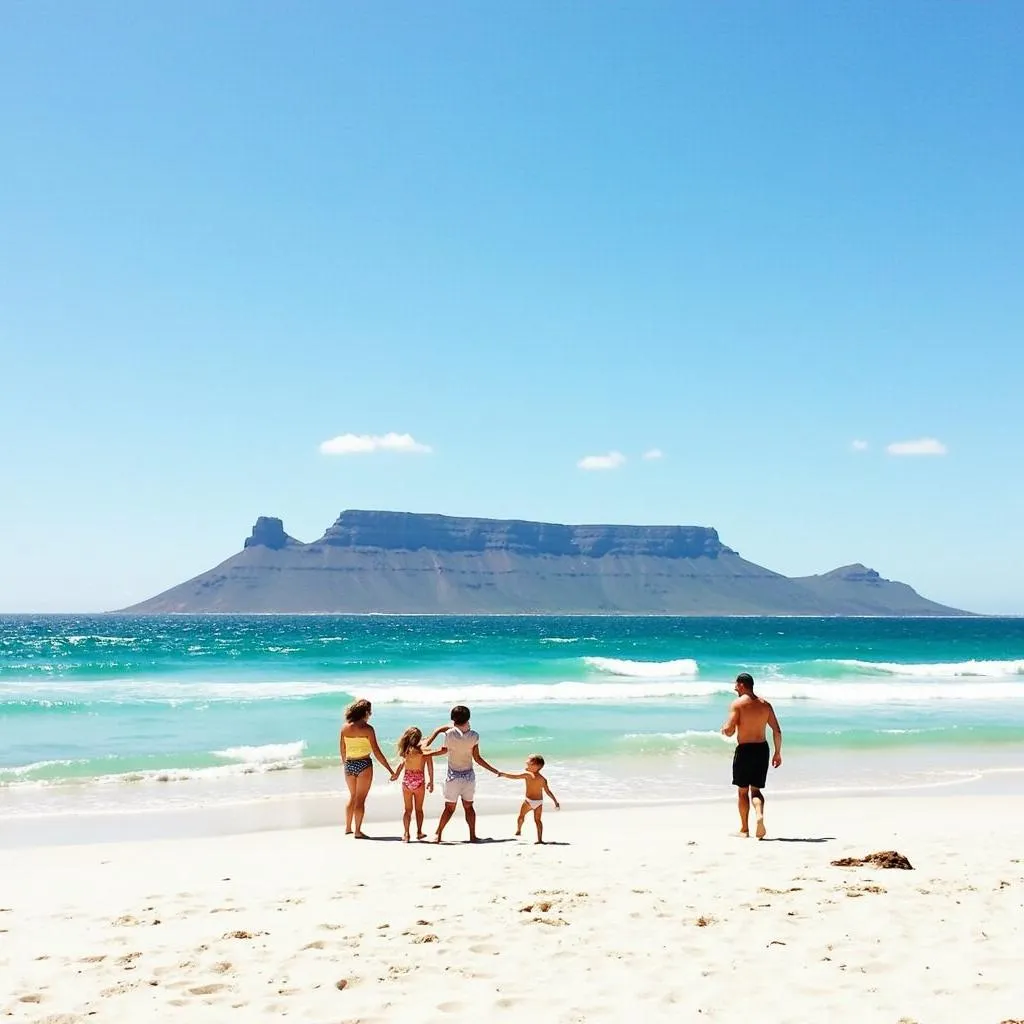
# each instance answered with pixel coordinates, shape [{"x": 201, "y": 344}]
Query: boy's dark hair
[
  {"x": 358, "y": 711},
  {"x": 536, "y": 759},
  {"x": 460, "y": 714}
]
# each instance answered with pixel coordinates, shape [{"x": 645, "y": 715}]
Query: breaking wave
[{"x": 644, "y": 669}]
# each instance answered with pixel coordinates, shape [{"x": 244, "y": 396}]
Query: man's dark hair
[
  {"x": 460, "y": 714},
  {"x": 746, "y": 679}
]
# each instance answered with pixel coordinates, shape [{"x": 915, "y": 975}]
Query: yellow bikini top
[{"x": 357, "y": 746}]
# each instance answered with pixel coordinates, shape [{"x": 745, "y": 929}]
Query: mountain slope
[{"x": 398, "y": 562}]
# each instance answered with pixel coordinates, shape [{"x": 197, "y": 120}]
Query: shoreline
[
  {"x": 261, "y": 812},
  {"x": 312, "y": 924}
]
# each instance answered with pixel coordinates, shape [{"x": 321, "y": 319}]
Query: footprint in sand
[
  {"x": 206, "y": 990},
  {"x": 32, "y": 997},
  {"x": 451, "y": 1007}
]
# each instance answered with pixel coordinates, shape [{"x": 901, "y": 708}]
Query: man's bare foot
[
  {"x": 760, "y": 831},
  {"x": 421, "y": 835},
  {"x": 519, "y": 833},
  {"x": 405, "y": 838},
  {"x": 437, "y": 838},
  {"x": 742, "y": 834},
  {"x": 540, "y": 842},
  {"x": 362, "y": 835},
  {"x": 348, "y": 831},
  {"x": 474, "y": 839}
]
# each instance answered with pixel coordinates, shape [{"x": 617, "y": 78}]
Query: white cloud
[
  {"x": 922, "y": 446},
  {"x": 610, "y": 461},
  {"x": 362, "y": 444},
  {"x": 858, "y": 446},
  {"x": 653, "y": 453}
]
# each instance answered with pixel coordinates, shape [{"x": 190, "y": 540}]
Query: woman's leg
[
  {"x": 364, "y": 780},
  {"x": 417, "y": 799},
  {"x": 407, "y": 817},
  {"x": 350, "y": 781}
]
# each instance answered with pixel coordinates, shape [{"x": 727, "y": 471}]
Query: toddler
[{"x": 536, "y": 787}]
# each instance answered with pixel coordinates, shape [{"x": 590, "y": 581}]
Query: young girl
[
  {"x": 414, "y": 762},
  {"x": 356, "y": 743}
]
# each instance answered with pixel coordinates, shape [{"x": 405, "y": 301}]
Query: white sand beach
[{"x": 650, "y": 913}]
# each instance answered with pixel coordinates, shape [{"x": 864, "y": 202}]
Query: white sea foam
[
  {"x": 99, "y": 639},
  {"x": 264, "y": 754},
  {"x": 568, "y": 692},
  {"x": 559, "y": 639},
  {"x": 939, "y": 670},
  {"x": 26, "y": 769},
  {"x": 573, "y": 692},
  {"x": 165, "y": 691},
  {"x": 644, "y": 669},
  {"x": 683, "y": 736}
]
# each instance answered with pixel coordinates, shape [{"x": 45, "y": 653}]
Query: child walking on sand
[
  {"x": 414, "y": 763},
  {"x": 536, "y": 787}
]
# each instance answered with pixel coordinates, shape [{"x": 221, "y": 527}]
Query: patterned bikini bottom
[{"x": 357, "y": 765}]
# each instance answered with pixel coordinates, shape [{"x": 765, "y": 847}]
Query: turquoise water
[{"x": 95, "y": 700}]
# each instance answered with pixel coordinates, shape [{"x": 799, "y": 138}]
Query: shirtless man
[
  {"x": 462, "y": 745},
  {"x": 749, "y": 715}
]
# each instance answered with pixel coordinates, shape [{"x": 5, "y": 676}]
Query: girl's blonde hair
[{"x": 409, "y": 740}]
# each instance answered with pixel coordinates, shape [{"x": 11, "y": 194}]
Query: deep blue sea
[{"x": 163, "y": 708}]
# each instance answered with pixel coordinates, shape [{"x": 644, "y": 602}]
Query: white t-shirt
[{"x": 460, "y": 748}]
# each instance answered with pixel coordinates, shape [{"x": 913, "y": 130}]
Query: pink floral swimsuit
[{"x": 412, "y": 780}]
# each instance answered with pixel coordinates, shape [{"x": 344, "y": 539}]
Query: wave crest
[
  {"x": 644, "y": 669},
  {"x": 938, "y": 670},
  {"x": 265, "y": 754}
]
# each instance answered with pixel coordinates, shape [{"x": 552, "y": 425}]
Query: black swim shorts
[{"x": 750, "y": 764}]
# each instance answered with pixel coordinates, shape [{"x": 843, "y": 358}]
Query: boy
[
  {"x": 462, "y": 745},
  {"x": 536, "y": 787}
]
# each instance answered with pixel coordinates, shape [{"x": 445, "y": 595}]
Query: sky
[{"x": 287, "y": 259}]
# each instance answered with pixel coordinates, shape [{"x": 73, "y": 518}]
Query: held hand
[
  {"x": 777, "y": 761},
  {"x": 430, "y": 787}
]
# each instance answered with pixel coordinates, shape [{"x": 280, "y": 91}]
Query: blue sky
[{"x": 746, "y": 234}]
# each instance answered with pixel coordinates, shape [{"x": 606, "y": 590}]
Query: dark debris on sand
[{"x": 881, "y": 859}]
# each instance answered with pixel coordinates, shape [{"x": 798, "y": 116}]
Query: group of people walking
[
  {"x": 461, "y": 745},
  {"x": 750, "y": 716}
]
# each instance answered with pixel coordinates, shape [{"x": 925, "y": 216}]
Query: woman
[{"x": 356, "y": 742}]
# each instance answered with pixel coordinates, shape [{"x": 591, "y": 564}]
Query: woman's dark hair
[{"x": 358, "y": 711}]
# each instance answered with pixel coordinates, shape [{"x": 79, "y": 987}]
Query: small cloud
[
  {"x": 922, "y": 446},
  {"x": 362, "y": 444},
  {"x": 653, "y": 453},
  {"x": 858, "y": 446},
  {"x": 610, "y": 461}
]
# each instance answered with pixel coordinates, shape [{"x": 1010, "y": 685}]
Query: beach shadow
[
  {"x": 380, "y": 839},
  {"x": 783, "y": 839},
  {"x": 486, "y": 842}
]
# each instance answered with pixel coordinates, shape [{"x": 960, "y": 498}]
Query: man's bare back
[{"x": 754, "y": 715}]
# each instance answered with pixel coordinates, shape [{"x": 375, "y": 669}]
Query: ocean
[{"x": 116, "y": 713}]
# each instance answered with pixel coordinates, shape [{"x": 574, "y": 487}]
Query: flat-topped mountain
[{"x": 404, "y": 563}]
